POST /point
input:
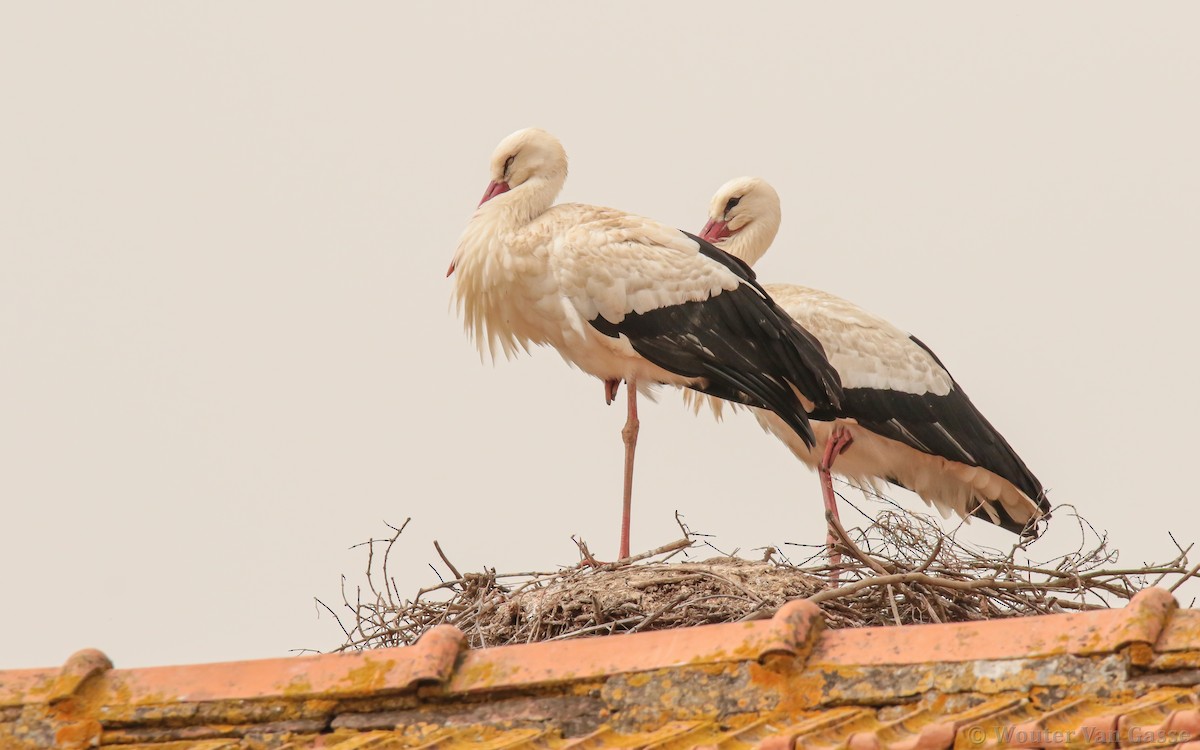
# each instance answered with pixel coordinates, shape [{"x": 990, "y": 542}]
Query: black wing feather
[
  {"x": 948, "y": 426},
  {"x": 742, "y": 346}
]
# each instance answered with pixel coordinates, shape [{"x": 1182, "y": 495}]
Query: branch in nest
[{"x": 899, "y": 569}]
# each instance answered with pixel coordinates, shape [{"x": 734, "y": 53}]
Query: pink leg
[
  {"x": 839, "y": 440},
  {"x": 629, "y": 434}
]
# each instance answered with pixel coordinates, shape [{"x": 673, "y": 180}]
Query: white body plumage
[{"x": 542, "y": 282}]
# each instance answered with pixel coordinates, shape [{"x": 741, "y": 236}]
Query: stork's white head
[
  {"x": 530, "y": 163},
  {"x": 743, "y": 218},
  {"x": 528, "y": 170}
]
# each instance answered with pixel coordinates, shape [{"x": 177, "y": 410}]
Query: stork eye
[
  {"x": 732, "y": 202},
  {"x": 508, "y": 163}
]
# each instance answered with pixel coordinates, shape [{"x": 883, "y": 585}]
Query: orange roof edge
[
  {"x": 431, "y": 660},
  {"x": 436, "y": 660},
  {"x": 1143, "y": 621},
  {"x": 1124, "y": 675},
  {"x": 792, "y": 631}
]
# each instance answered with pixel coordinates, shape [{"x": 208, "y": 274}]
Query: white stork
[
  {"x": 904, "y": 419},
  {"x": 626, "y": 298}
]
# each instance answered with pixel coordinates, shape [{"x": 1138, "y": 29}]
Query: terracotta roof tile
[
  {"x": 1098, "y": 679},
  {"x": 1105, "y": 631},
  {"x": 791, "y": 632}
]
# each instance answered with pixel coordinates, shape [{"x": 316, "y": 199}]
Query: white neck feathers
[{"x": 752, "y": 241}]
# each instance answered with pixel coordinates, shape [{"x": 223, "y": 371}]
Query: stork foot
[
  {"x": 610, "y": 390},
  {"x": 839, "y": 440}
]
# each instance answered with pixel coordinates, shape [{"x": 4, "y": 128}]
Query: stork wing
[
  {"x": 693, "y": 310},
  {"x": 895, "y": 386}
]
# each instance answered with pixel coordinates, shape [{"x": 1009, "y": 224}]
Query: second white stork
[
  {"x": 904, "y": 419},
  {"x": 626, "y": 298}
]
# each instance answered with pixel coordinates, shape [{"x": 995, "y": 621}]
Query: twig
[
  {"x": 672, "y": 547},
  {"x": 335, "y": 616},
  {"x": 844, "y": 538},
  {"x": 446, "y": 560},
  {"x": 902, "y": 568},
  {"x": 652, "y": 618},
  {"x": 1186, "y": 576},
  {"x": 891, "y": 599}
]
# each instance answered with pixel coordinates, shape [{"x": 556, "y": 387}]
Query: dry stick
[
  {"x": 387, "y": 552},
  {"x": 446, "y": 560},
  {"x": 671, "y": 554},
  {"x": 687, "y": 533},
  {"x": 937, "y": 548},
  {"x": 647, "y": 583},
  {"x": 652, "y": 618},
  {"x": 891, "y": 598},
  {"x": 442, "y": 585},
  {"x": 336, "y": 619},
  {"x": 929, "y": 609},
  {"x": 912, "y": 596},
  {"x": 725, "y": 596},
  {"x": 1186, "y": 576},
  {"x": 610, "y": 626},
  {"x": 370, "y": 562},
  {"x": 1181, "y": 558},
  {"x": 759, "y": 612},
  {"x": 673, "y": 546},
  {"x": 600, "y": 618},
  {"x": 702, "y": 572},
  {"x": 918, "y": 560},
  {"x": 1081, "y": 606},
  {"x": 585, "y": 555},
  {"x": 435, "y": 572},
  {"x": 899, "y": 578},
  {"x": 844, "y": 538},
  {"x": 872, "y": 563}
]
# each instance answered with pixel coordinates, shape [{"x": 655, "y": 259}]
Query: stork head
[
  {"x": 743, "y": 218},
  {"x": 531, "y": 159},
  {"x": 528, "y": 170}
]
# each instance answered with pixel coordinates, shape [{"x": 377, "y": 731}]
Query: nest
[{"x": 900, "y": 569}]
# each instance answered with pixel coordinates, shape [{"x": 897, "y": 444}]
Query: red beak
[
  {"x": 715, "y": 231},
  {"x": 494, "y": 188}
]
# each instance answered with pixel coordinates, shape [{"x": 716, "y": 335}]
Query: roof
[{"x": 1124, "y": 676}]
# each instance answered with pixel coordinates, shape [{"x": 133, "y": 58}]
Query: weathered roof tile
[
  {"x": 792, "y": 632},
  {"x": 1096, "y": 679}
]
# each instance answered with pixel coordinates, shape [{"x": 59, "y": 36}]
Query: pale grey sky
[{"x": 226, "y": 352}]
